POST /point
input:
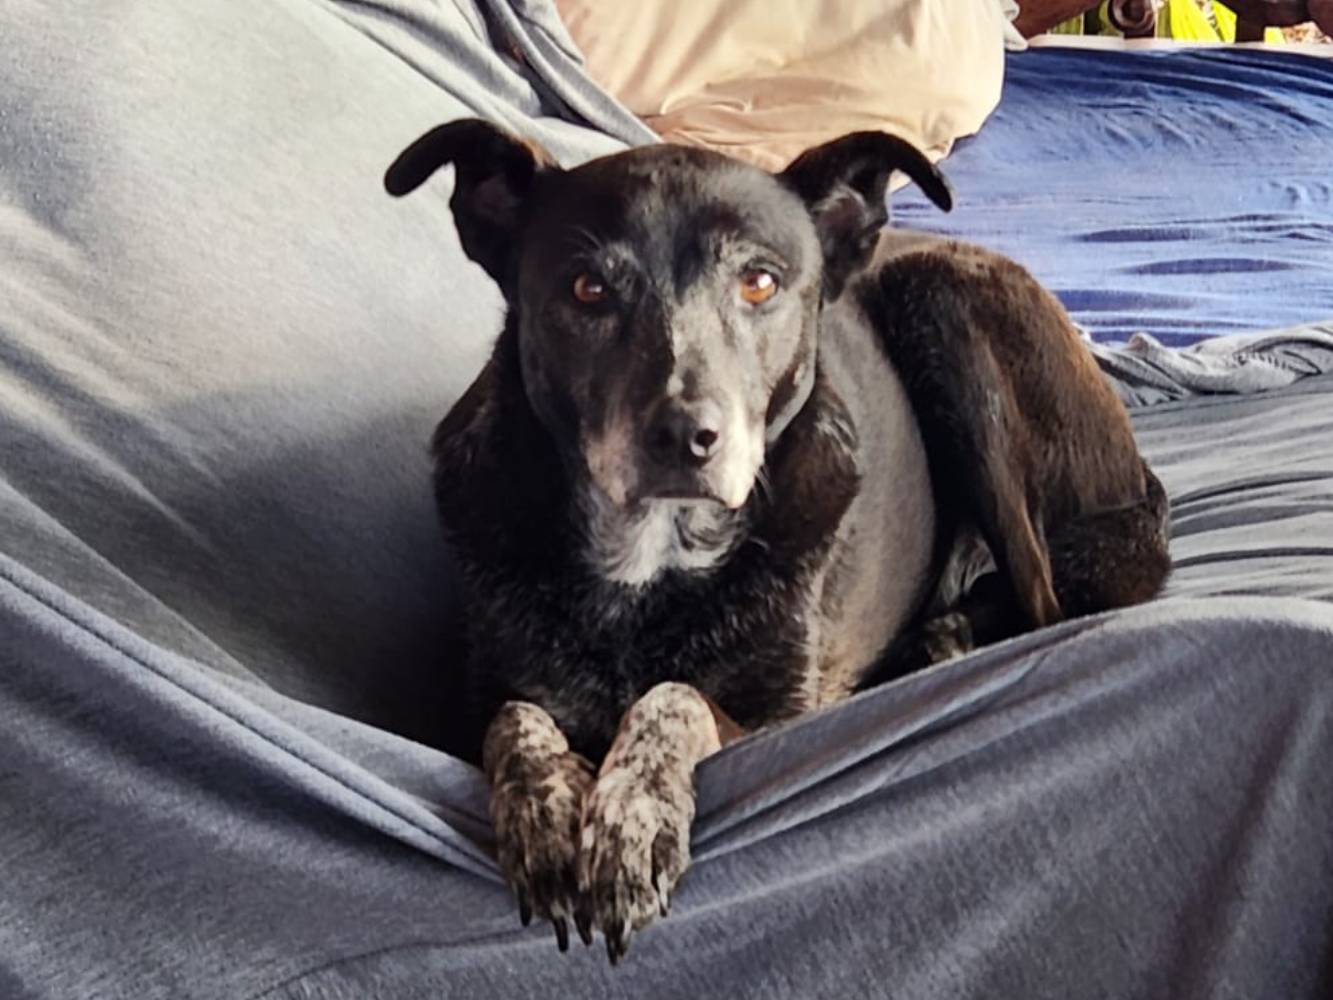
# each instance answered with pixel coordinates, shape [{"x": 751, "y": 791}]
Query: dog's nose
[{"x": 689, "y": 433}]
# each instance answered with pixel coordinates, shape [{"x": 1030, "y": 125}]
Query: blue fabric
[{"x": 1183, "y": 194}]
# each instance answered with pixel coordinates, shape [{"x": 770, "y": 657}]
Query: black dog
[{"x": 732, "y": 456}]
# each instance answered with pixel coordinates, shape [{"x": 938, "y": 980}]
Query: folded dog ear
[
  {"x": 494, "y": 172},
  {"x": 844, "y": 184}
]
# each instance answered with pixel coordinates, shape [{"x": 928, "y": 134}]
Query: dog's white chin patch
[{"x": 635, "y": 545}]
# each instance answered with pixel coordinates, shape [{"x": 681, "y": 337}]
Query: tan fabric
[{"x": 766, "y": 79}]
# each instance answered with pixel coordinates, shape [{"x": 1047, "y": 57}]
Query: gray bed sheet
[{"x": 223, "y": 598}]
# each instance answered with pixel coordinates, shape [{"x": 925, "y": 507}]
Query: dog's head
[{"x": 666, "y": 299}]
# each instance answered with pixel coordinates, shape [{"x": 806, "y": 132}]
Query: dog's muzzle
[
  {"x": 699, "y": 450},
  {"x": 688, "y": 435},
  {"x": 678, "y": 450}
]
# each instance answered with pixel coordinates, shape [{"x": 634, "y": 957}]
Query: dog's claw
[
  {"x": 561, "y": 933},
  {"x": 583, "y": 922},
  {"x": 663, "y": 894},
  {"x": 524, "y": 908},
  {"x": 617, "y": 941}
]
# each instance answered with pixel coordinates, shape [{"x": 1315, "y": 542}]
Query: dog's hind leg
[
  {"x": 1099, "y": 561},
  {"x": 1112, "y": 558},
  {"x": 1015, "y": 538},
  {"x": 973, "y": 430},
  {"x": 966, "y": 423}
]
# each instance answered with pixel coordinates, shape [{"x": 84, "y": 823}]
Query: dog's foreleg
[
  {"x": 538, "y": 786},
  {"x": 636, "y": 822}
]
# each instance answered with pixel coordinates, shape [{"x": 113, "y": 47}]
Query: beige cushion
[{"x": 766, "y": 79}]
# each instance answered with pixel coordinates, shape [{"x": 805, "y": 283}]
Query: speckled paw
[
  {"x": 538, "y": 788},
  {"x": 635, "y": 846}
]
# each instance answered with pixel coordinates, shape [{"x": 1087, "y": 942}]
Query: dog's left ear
[
  {"x": 844, "y": 185},
  {"x": 494, "y": 175}
]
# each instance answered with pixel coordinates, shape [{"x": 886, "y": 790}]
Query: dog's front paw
[
  {"x": 538, "y": 787},
  {"x": 635, "y": 847}
]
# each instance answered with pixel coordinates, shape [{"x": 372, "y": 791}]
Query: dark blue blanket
[{"x": 1184, "y": 194}]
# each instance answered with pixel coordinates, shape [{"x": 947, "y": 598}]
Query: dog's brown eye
[
  {"x": 589, "y": 289},
  {"x": 758, "y": 286}
]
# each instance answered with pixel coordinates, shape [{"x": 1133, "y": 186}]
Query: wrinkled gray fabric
[
  {"x": 223, "y": 600},
  {"x": 1129, "y": 806},
  {"x": 1145, "y": 372},
  {"x": 223, "y": 348}
]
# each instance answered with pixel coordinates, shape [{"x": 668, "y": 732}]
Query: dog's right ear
[{"x": 494, "y": 174}]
